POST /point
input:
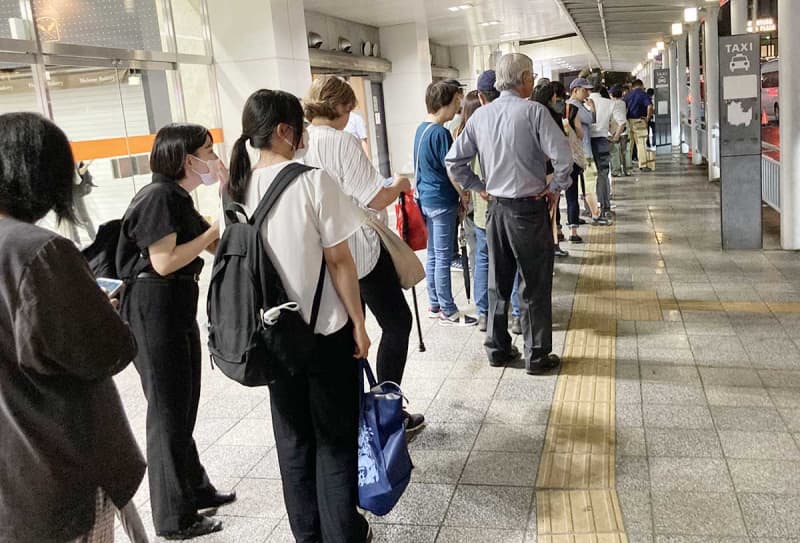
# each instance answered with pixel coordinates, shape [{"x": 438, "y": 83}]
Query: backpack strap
[{"x": 281, "y": 182}]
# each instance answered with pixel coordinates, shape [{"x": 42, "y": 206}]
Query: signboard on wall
[
  {"x": 663, "y": 131},
  {"x": 22, "y": 81},
  {"x": 740, "y": 95}
]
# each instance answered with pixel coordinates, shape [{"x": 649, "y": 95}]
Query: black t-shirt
[{"x": 162, "y": 208}]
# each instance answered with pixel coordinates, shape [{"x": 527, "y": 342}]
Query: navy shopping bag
[{"x": 384, "y": 465}]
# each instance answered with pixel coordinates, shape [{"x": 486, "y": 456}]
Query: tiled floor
[{"x": 703, "y": 444}]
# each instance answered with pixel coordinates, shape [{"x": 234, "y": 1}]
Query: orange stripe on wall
[{"x": 120, "y": 147}]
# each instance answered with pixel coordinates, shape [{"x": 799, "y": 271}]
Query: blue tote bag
[{"x": 384, "y": 465}]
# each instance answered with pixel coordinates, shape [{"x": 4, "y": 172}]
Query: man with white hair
[{"x": 513, "y": 138}]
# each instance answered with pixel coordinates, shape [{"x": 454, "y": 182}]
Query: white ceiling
[{"x": 518, "y": 19}]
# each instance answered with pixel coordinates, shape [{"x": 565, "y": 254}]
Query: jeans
[
  {"x": 573, "y": 205},
  {"x": 482, "y": 277},
  {"x": 382, "y": 293},
  {"x": 441, "y": 224},
  {"x": 481, "y": 272}
]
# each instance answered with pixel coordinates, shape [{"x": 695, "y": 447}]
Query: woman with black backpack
[
  {"x": 314, "y": 412},
  {"x": 161, "y": 239}
]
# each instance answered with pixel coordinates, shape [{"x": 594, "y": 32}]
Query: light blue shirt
[{"x": 513, "y": 138}]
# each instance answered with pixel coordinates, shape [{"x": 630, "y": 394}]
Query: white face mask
[
  {"x": 299, "y": 152},
  {"x": 212, "y": 175}
]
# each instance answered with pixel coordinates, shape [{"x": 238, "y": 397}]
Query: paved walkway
[{"x": 676, "y": 417}]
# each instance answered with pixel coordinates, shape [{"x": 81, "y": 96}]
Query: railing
[
  {"x": 703, "y": 142},
  {"x": 771, "y": 182}
]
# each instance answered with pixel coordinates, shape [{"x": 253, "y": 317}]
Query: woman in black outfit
[{"x": 165, "y": 235}]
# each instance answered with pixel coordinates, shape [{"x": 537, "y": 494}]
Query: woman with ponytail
[{"x": 315, "y": 413}]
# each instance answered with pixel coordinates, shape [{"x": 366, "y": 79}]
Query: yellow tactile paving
[{"x": 576, "y": 499}]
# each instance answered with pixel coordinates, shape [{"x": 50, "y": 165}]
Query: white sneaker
[{"x": 458, "y": 319}]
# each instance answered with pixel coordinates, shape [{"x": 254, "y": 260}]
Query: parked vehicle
[{"x": 769, "y": 91}]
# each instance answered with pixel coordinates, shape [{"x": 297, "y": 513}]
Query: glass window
[
  {"x": 198, "y": 97},
  {"x": 189, "y": 26},
  {"x": 123, "y": 24},
  {"x": 17, "y": 90},
  {"x": 769, "y": 80},
  {"x": 11, "y": 23}
]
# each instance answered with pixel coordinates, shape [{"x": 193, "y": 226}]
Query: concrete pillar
[
  {"x": 681, "y": 84},
  {"x": 407, "y": 47},
  {"x": 694, "y": 90},
  {"x": 675, "y": 118},
  {"x": 739, "y": 17},
  {"x": 257, "y": 44},
  {"x": 711, "y": 72},
  {"x": 788, "y": 21}
]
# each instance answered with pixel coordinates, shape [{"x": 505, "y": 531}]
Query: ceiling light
[
  {"x": 677, "y": 29},
  {"x": 650, "y": 55},
  {"x": 660, "y": 45},
  {"x": 490, "y": 23},
  {"x": 690, "y": 15},
  {"x": 460, "y": 7}
]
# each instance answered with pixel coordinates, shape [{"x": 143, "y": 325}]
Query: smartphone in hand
[{"x": 111, "y": 287}]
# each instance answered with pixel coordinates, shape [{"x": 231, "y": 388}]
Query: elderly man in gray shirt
[{"x": 513, "y": 137}]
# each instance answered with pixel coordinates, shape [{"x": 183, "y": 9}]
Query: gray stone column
[
  {"x": 675, "y": 115},
  {"x": 694, "y": 90},
  {"x": 739, "y": 17},
  {"x": 711, "y": 72}
]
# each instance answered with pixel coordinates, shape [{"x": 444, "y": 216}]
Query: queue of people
[{"x": 516, "y": 147}]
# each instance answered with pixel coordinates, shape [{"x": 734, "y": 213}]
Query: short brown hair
[
  {"x": 439, "y": 95},
  {"x": 326, "y": 93}
]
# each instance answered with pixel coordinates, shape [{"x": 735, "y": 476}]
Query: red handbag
[{"x": 410, "y": 222}]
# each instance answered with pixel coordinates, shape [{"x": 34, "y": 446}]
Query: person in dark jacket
[
  {"x": 165, "y": 235},
  {"x": 68, "y": 456}
]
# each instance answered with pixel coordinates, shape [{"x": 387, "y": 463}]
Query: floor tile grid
[{"x": 576, "y": 497}]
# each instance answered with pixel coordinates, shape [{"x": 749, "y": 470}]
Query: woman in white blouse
[
  {"x": 315, "y": 413},
  {"x": 327, "y": 106}
]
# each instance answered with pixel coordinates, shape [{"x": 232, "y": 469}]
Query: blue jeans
[
  {"x": 482, "y": 277},
  {"x": 441, "y": 223},
  {"x": 481, "y": 272}
]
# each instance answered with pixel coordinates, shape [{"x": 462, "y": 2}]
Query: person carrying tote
[
  {"x": 165, "y": 235},
  {"x": 315, "y": 412},
  {"x": 68, "y": 458},
  {"x": 327, "y": 106}
]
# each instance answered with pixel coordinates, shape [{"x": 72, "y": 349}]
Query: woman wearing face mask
[
  {"x": 161, "y": 241},
  {"x": 314, "y": 413}
]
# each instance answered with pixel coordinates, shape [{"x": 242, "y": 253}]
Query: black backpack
[
  {"x": 112, "y": 255},
  {"x": 255, "y": 333}
]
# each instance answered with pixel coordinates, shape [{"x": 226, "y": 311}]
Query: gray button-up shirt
[{"x": 513, "y": 138}]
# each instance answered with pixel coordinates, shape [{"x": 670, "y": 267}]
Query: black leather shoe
[
  {"x": 201, "y": 526},
  {"x": 559, "y": 252},
  {"x": 550, "y": 362},
  {"x": 414, "y": 422},
  {"x": 215, "y": 499},
  {"x": 513, "y": 355}
]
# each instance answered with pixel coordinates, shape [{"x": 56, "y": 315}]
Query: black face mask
[{"x": 559, "y": 107}]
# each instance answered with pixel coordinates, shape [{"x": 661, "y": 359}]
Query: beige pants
[{"x": 638, "y": 130}]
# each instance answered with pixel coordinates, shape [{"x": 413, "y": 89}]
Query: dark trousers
[
  {"x": 573, "y": 205},
  {"x": 163, "y": 317},
  {"x": 315, "y": 420},
  {"x": 601, "y": 152},
  {"x": 381, "y": 291},
  {"x": 520, "y": 238}
]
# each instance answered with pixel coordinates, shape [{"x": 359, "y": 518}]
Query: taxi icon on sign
[{"x": 739, "y": 62}]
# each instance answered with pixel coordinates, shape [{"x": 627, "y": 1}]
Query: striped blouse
[{"x": 341, "y": 155}]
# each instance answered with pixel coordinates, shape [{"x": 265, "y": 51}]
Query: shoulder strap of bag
[
  {"x": 281, "y": 182},
  {"x": 419, "y": 148}
]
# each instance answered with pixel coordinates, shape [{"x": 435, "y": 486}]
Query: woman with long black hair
[
  {"x": 162, "y": 238},
  {"x": 314, "y": 413}
]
